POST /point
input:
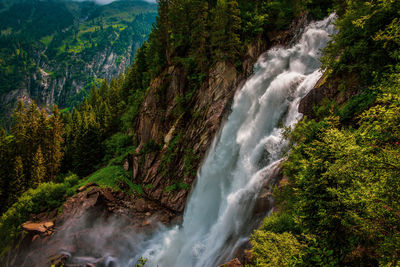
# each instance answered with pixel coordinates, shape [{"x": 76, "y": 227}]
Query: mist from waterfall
[{"x": 218, "y": 215}]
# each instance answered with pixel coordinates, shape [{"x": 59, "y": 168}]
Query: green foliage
[
  {"x": 343, "y": 185},
  {"x": 114, "y": 177},
  {"x": 150, "y": 146},
  {"x": 170, "y": 156},
  {"x": 325, "y": 108},
  {"x": 280, "y": 223},
  {"x": 190, "y": 33},
  {"x": 169, "y": 160},
  {"x": 65, "y": 36},
  {"x": 275, "y": 249},
  {"x": 92, "y": 128},
  {"x": 366, "y": 42},
  {"x": 357, "y": 104},
  {"x": 141, "y": 262},
  {"x": 177, "y": 186},
  {"x": 226, "y": 26},
  {"x": 318, "y": 9},
  {"x": 189, "y": 162},
  {"x": 31, "y": 153},
  {"x": 46, "y": 197},
  {"x": 116, "y": 145}
]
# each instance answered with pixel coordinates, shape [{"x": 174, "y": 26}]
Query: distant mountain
[{"x": 52, "y": 51}]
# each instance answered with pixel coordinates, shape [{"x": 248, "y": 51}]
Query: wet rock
[
  {"x": 327, "y": 88},
  {"x": 44, "y": 216},
  {"x": 232, "y": 263},
  {"x": 264, "y": 202},
  {"x": 59, "y": 260},
  {"x": 146, "y": 223}
]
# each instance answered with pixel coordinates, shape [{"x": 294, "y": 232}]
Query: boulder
[
  {"x": 40, "y": 227},
  {"x": 232, "y": 263},
  {"x": 59, "y": 260}
]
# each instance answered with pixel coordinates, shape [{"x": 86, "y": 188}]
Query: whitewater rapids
[{"x": 249, "y": 147}]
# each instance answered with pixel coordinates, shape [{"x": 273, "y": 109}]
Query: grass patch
[
  {"x": 114, "y": 177},
  {"x": 47, "y": 40}
]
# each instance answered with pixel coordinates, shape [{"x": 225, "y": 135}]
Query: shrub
[
  {"x": 273, "y": 249},
  {"x": 280, "y": 223},
  {"x": 116, "y": 145},
  {"x": 45, "y": 197}
]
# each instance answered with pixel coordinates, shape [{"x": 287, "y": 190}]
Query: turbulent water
[{"x": 218, "y": 216}]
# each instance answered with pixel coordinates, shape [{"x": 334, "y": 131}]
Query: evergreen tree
[
  {"x": 225, "y": 28},
  {"x": 54, "y": 141},
  {"x": 18, "y": 184},
  {"x": 38, "y": 168},
  {"x": 200, "y": 34}
]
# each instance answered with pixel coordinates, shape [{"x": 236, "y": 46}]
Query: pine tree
[
  {"x": 234, "y": 28},
  {"x": 18, "y": 184},
  {"x": 38, "y": 168},
  {"x": 163, "y": 25},
  {"x": 7, "y": 150},
  {"x": 55, "y": 141},
  {"x": 19, "y": 127},
  {"x": 200, "y": 34},
  {"x": 225, "y": 30}
]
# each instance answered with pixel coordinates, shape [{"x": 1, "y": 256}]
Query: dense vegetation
[
  {"x": 61, "y": 38},
  {"x": 339, "y": 203},
  {"x": 31, "y": 153}
]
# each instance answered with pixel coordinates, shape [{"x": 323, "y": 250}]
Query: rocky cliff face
[
  {"x": 51, "y": 50},
  {"x": 47, "y": 89},
  {"x": 327, "y": 90},
  {"x": 184, "y": 138}
]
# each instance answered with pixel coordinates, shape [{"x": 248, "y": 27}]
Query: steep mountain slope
[
  {"x": 53, "y": 51},
  {"x": 149, "y": 129}
]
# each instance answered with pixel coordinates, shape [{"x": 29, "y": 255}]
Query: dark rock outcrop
[
  {"x": 232, "y": 263},
  {"x": 93, "y": 223},
  {"x": 327, "y": 88}
]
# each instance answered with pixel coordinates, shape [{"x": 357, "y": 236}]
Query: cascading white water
[{"x": 218, "y": 214}]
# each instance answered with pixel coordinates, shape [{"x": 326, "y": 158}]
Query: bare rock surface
[
  {"x": 40, "y": 227},
  {"x": 327, "y": 89},
  {"x": 93, "y": 223},
  {"x": 232, "y": 263}
]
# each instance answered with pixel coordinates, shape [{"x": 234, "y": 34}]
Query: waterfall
[{"x": 218, "y": 215}]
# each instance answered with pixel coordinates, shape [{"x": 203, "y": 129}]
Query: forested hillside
[
  {"x": 53, "y": 51},
  {"x": 338, "y": 201}
]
